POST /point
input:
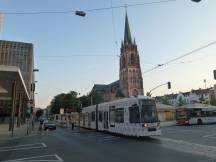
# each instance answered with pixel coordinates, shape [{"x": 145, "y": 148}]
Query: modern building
[
  {"x": 16, "y": 65},
  {"x": 130, "y": 81},
  {"x": 21, "y": 55}
]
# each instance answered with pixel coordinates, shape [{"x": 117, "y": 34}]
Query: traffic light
[
  {"x": 169, "y": 85},
  {"x": 215, "y": 74}
]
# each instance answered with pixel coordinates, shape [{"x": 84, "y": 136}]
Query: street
[{"x": 177, "y": 144}]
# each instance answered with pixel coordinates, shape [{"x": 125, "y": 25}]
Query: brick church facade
[{"x": 130, "y": 81}]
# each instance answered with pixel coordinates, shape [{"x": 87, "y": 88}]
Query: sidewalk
[{"x": 18, "y": 132}]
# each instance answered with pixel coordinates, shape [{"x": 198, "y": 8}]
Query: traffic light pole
[{"x": 169, "y": 87}]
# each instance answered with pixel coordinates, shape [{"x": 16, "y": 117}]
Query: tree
[
  {"x": 148, "y": 94},
  {"x": 213, "y": 101},
  {"x": 39, "y": 113},
  {"x": 180, "y": 101},
  {"x": 201, "y": 99},
  {"x": 165, "y": 100}
]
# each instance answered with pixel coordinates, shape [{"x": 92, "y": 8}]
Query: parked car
[{"x": 50, "y": 125}]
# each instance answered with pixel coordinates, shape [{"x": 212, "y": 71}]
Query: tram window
[
  {"x": 112, "y": 114},
  {"x": 100, "y": 116},
  {"x": 93, "y": 116},
  {"x": 134, "y": 116},
  {"x": 119, "y": 115}
]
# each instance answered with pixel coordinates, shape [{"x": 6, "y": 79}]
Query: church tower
[{"x": 131, "y": 81}]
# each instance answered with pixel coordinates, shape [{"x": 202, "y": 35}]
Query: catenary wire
[
  {"x": 180, "y": 57},
  {"x": 88, "y": 10}
]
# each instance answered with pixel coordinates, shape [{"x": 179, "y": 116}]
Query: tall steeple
[
  {"x": 131, "y": 81},
  {"x": 127, "y": 33}
]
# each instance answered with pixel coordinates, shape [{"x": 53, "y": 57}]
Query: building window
[
  {"x": 119, "y": 115},
  {"x": 133, "y": 59},
  {"x": 134, "y": 114}
]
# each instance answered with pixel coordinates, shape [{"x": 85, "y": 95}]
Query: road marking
[
  {"x": 184, "y": 146},
  {"x": 59, "y": 158},
  {"x": 111, "y": 139},
  {"x": 38, "y": 159},
  {"x": 23, "y": 147},
  {"x": 210, "y": 136}
]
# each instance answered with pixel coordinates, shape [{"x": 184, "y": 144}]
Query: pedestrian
[{"x": 72, "y": 125}]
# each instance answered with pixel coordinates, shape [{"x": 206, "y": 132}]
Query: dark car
[{"x": 49, "y": 125}]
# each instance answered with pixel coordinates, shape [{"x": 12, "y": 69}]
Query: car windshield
[{"x": 148, "y": 111}]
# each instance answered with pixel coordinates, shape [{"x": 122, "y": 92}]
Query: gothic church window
[{"x": 133, "y": 61}]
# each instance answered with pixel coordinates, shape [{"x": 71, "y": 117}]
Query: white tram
[{"x": 134, "y": 116}]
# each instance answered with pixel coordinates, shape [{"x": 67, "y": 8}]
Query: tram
[{"x": 133, "y": 116}]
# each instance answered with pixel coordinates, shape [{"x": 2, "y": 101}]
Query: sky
[{"x": 74, "y": 53}]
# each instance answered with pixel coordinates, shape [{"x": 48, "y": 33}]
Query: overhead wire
[
  {"x": 88, "y": 10},
  {"x": 180, "y": 57}
]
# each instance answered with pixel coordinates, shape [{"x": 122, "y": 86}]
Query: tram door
[
  {"x": 105, "y": 119},
  {"x": 89, "y": 120},
  {"x": 96, "y": 118}
]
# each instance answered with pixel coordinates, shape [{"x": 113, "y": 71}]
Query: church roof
[
  {"x": 127, "y": 33},
  {"x": 99, "y": 87}
]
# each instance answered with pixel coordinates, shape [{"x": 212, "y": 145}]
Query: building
[
  {"x": 130, "y": 81},
  {"x": 194, "y": 96},
  {"x": 21, "y": 55},
  {"x": 16, "y": 63},
  {"x": 165, "y": 112}
]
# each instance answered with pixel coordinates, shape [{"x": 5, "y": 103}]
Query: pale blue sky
[{"x": 162, "y": 32}]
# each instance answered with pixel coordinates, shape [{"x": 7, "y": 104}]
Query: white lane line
[
  {"x": 206, "y": 160},
  {"x": 23, "y": 147},
  {"x": 210, "y": 136},
  {"x": 185, "y": 146},
  {"x": 111, "y": 139},
  {"x": 59, "y": 158},
  {"x": 38, "y": 159}
]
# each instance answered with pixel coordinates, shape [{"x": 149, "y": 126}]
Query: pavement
[
  {"x": 177, "y": 144},
  {"x": 18, "y": 132}
]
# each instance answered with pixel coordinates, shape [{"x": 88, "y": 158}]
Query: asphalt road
[{"x": 177, "y": 144}]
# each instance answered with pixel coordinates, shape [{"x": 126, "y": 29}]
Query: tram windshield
[{"x": 148, "y": 111}]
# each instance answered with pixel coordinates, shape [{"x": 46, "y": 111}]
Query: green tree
[
  {"x": 39, "y": 113},
  {"x": 180, "y": 101},
  {"x": 213, "y": 101},
  {"x": 148, "y": 94},
  {"x": 201, "y": 99},
  {"x": 165, "y": 100}
]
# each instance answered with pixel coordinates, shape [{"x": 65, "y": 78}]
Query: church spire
[{"x": 127, "y": 33}]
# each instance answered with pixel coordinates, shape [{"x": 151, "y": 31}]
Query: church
[{"x": 130, "y": 81}]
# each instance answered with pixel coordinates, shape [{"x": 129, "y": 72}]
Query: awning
[{"x": 9, "y": 74}]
